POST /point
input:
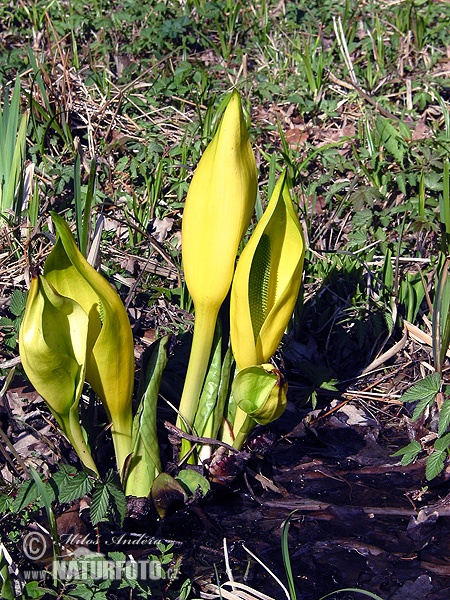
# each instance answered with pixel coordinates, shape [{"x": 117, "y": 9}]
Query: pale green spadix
[
  {"x": 218, "y": 209},
  {"x": 267, "y": 281},
  {"x": 110, "y": 349},
  {"x": 52, "y": 345},
  {"x": 260, "y": 393}
]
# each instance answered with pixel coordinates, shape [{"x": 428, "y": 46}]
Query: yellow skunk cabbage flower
[
  {"x": 52, "y": 344},
  {"x": 267, "y": 281},
  {"x": 218, "y": 210},
  {"x": 110, "y": 351}
]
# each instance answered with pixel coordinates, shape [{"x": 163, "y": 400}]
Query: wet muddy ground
[{"x": 359, "y": 519}]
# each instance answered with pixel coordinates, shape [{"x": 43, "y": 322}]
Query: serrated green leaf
[
  {"x": 409, "y": 453},
  {"x": 444, "y": 417},
  {"x": 421, "y": 406},
  {"x": 117, "y": 500},
  {"x": 390, "y": 139},
  {"x": 117, "y": 556},
  {"x": 426, "y": 388},
  {"x": 435, "y": 464},
  {"x": 442, "y": 443},
  {"x": 17, "y": 303},
  {"x": 75, "y": 486},
  {"x": 5, "y": 503},
  {"x": 28, "y": 493},
  {"x": 100, "y": 503}
]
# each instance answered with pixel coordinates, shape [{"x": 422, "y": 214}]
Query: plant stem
[
  {"x": 121, "y": 435},
  {"x": 205, "y": 322}
]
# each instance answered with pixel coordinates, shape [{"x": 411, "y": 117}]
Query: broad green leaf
[
  {"x": 167, "y": 492},
  {"x": 390, "y": 139},
  {"x": 29, "y": 493},
  {"x": 5, "y": 503},
  {"x": 17, "y": 303},
  {"x": 117, "y": 499},
  {"x": 192, "y": 481}
]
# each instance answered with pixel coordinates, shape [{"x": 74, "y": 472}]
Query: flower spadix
[
  {"x": 218, "y": 209},
  {"x": 260, "y": 391},
  {"x": 52, "y": 343},
  {"x": 267, "y": 281},
  {"x": 110, "y": 354}
]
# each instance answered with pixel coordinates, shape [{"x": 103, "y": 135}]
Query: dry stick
[
  {"x": 12, "y": 362},
  {"x": 342, "y": 43},
  {"x": 352, "y": 396},
  {"x": 388, "y": 354},
  {"x": 13, "y": 451},
  {"x": 193, "y": 438}
]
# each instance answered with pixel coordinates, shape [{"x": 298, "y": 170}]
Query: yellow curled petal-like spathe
[
  {"x": 267, "y": 281},
  {"x": 218, "y": 209},
  {"x": 217, "y": 213},
  {"x": 110, "y": 357},
  {"x": 52, "y": 345}
]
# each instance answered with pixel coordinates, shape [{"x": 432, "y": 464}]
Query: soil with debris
[{"x": 358, "y": 518}]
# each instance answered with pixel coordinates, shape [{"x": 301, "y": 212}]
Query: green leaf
[
  {"x": 204, "y": 417},
  {"x": 100, "y": 503},
  {"x": 425, "y": 388},
  {"x": 442, "y": 443},
  {"x": 6, "y": 588},
  {"x": 145, "y": 463},
  {"x": 5, "y": 503},
  {"x": 118, "y": 501},
  {"x": 390, "y": 139},
  {"x": 73, "y": 486},
  {"x": 444, "y": 417},
  {"x": 435, "y": 464},
  {"x": 424, "y": 392},
  {"x": 17, "y": 303},
  {"x": 223, "y": 394},
  {"x": 28, "y": 493},
  {"x": 33, "y": 591},
  {"x": 409, "y": 453},
  {"x": 192, "y": 481}
]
